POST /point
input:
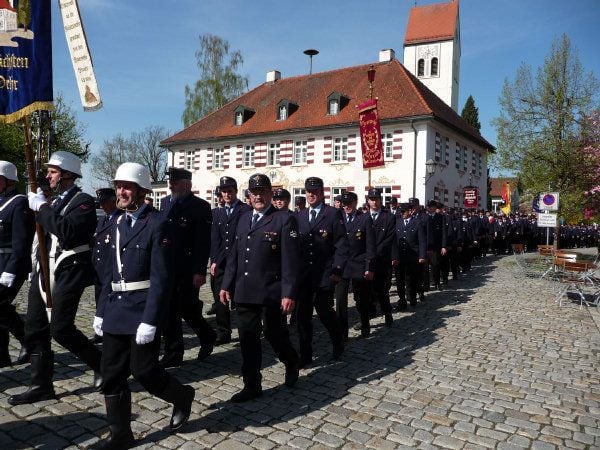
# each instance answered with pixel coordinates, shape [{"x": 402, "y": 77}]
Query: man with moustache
[
  {"x": 16, "y": 237},
  {"x": 324, "y": 252},
  {"x": 69, "y": 224},
  {"x": 132, "y": 306},
  {"x": 222, "y": 234},
  {"x": 263, "y": 267},
  {"x": 188, "y": 221}
]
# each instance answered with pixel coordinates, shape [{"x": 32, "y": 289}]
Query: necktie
[
  {"x": 374, "y": 216},
  {"x": 106, "y": 217},
  {"x": 405, "y": 222},
  {"x": 129, "y": 221},
  {"x": 254, "y": 219},
  {"x": 348, "y": 218},
  {"x": 228, "y": 210},
  {"x": 313, "y": 215}
]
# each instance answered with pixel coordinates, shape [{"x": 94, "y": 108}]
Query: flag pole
[
  {"x": 371, "y": 78},
  {"x": 43, "y": 251}
]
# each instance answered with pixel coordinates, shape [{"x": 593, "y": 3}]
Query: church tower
[{"x": 432, "y": 49}]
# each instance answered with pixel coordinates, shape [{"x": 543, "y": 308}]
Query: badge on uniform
[
  {"x": 294, "y": 234},
  {"x": 323, "y": 233},
  {"x": 107, "y": 239},
  {"x": 359, "y": 234}
]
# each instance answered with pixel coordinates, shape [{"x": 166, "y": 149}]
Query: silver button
[
  {"x": 246, "y": 273},
  {"x": 119, "y": 297},
  {"x": 247, "y": 249}
]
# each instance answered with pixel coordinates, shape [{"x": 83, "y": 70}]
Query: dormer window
[
  {"x": 241, "y": 115},
  {"x": 335, "y": 103},
  {"x": 285, "y": 109}
]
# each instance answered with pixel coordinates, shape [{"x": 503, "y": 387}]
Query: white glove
[
  {"x": 36, "y": 201},
  {"x": 97, "y": 326},
  {"x": 7, "y": 279},
  {"x": 145, "y": 334}
]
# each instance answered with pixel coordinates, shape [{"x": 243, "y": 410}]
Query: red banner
[
  {"x": 470, "y": 197},
  {"x": 370, "y": 134}
]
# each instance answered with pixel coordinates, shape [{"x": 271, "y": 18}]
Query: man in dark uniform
[
  {"x": 69, "y": 223},
  {"x": 299, "y": 203},
  {"x": 324, "y": 251},
  {"x": 281, "y": 199},
  {"x": 337, "y": 201},
  {"x": 409, "y": 252},
  {"x": 383, "y": 224},
  {"x": 359, "y": 266},
  {"x": 102, "y": 243},
  {"x": 263, "y": 266},
  {"x": 436, "y": 240},
  {"x": 220, "y": 203},
  {"x": 222, "y": 239},
  {"x": 132, "y": 304},
  {"x": 464, "y": 241},
  {"x": 418, "y": 212},
  {"x": 188, "y": 222},
  {"x": 16, "y": 236}
]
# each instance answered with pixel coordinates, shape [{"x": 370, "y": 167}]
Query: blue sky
[{"x": 143, "y": 51}]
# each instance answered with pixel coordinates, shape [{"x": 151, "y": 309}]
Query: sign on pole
[
  {"x": 547, "y": 220},
  {"x": 549, "y": 201},
  {"x": 470, "y": 199}
]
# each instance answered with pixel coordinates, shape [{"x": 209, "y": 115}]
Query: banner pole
[{"x": 32, "y": 181}]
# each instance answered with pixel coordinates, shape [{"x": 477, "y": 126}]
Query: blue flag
[{"x": 25, "y": 58}]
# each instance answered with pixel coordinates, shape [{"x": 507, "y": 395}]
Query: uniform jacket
[
  {"x": 223, "y": 232},
  {"x": 436, "y": 232},
  {"x": 144, "y": 250},
  {"x": 384, "y": 235},
  {"x": 324, "y": 246},
  {"x": 362, "y": 247},
  {"x": 103, "y": 242},
  {"x": 188, "y": 226},
  {"x": 451, "y": 223},
  {"x": 262, "y": 266},
  {"x": 410, "y": 241},
  {"x": 73, "y": 223},
  {"x": 17, "y": 227},
  {"x": 466, "y": 234}
]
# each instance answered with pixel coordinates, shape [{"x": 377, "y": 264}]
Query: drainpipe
[{"x": 414, "y": 186}]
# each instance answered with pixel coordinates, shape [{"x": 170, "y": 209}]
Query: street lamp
[{"x": 430, "y": 168}]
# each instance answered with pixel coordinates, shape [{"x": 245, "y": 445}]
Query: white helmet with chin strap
[
  {"x": 66, "y": 161},
  {"x": 135, "y": 173},
  {"x": 8, "y": 170}
]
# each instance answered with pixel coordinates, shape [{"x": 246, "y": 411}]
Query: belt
[
  {"x": 6, "y": 250},
  {"x": 122, "y": 286}
]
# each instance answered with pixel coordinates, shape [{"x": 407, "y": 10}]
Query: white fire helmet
[
  {"x": 8, "y": 171},
  {"x": 66, "y": 161},
  {"x": 136, "y": 173}
]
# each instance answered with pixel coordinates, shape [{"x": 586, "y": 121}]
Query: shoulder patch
[{"x": 84, "y": 206}]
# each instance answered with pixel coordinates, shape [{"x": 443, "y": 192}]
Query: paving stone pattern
[{"x": 490, "y": 362}]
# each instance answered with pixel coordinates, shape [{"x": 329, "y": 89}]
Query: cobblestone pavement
[{"x": 491, "y": 362}]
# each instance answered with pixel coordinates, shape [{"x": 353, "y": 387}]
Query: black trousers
[
  {"x": 185, "y": 304},
  {"x": 434, "y": 257},
  {"x": 69, "y": 285},
  {"x": 276, "y": 332},
  {"x": 121, "y": 356},
  {"x": 408, "y": 277},
  {"x": 320, "y": 299},
  {"x": 381, "y": 284},
  {"x": 10, "y": 320},
  {"x": 361, "y": 289},
  {"x": 222, "y": 312}
]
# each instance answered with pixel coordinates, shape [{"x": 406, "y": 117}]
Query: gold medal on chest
[{"x": 107, "y": 240}]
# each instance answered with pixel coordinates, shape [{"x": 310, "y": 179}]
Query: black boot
[
  {"x": 4, "y": 355},
  {"x": 181, "y": 396},
  {"x": 118, "y": 416},
  {"x": 40, "y": 388},
  {"x": 207, "y": 344},
  {"x": 24, "y": 356},
  {"x": 91, "y": 356},
  {"x": 170, "y": 360},
  {"x": 252, "y": 389}
]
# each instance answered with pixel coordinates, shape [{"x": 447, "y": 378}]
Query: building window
[
  {"x": 218, "y": 158},
  {"x": 282, "y": 113},
  {"x": 421, "y": 68},
  {"x": 438, "y": 148},
  {"x": 434, "y": 67},
  {"x": 334, "y": 106},
  {"x": 340, "y": 149},
  {"x": 335, "y": 191},
  {"x": 457, "y": 196},
  {"x": 239, "y": 118},
  {"x": 189, "y": 159},
  {"x": 458, "y": 156},
  {"x": 386, "y": 194},
  {"x": 480, "y": 163},
  {"x": 387, "y": 140},
  {"x": 473, "y": 163},
  {"x": 249, "y": 156},
  {"x": 300, "y": 150},
  {"x": 447, "y": 152},
  {"x": 273, "y": 154},
  {"x": 465, "y": 158}
]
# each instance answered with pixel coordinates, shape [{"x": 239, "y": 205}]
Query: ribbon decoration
[
  {"x": 80, "y": 55},
  {"x": 370, "y": 134}
]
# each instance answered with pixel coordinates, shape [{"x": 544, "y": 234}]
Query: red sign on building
[{"x": 470, "y": 195}]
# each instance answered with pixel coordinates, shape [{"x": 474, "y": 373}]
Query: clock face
[{"x": 428, "y": 51}]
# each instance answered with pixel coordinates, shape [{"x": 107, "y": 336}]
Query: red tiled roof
[
  {"x": 431, "y": 23},
  {"x": 5, "y": 5},
  {"x": 401, "y": 96},
  {"x": 498, "y": 183}
]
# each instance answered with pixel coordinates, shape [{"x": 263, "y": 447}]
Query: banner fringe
[{"x": 18, "y": 115}]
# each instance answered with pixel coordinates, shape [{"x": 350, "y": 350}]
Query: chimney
[
  {"x": 386, "y": 55},
  {"x": 273, "y": 76}
]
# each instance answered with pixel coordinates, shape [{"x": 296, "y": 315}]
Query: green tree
[
  {"x": 540, "y": 124},
  {"x": 470, "y": 113},
  {"x": 219, "y": 81}
]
